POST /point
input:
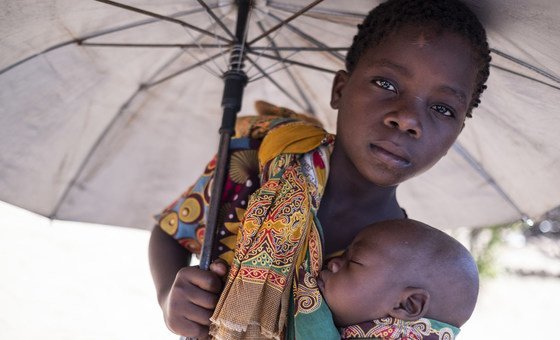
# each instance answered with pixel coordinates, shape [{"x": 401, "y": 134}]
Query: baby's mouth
[{"x": 320, "y": 282}]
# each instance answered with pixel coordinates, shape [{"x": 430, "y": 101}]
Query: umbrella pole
[{"x": 235, "y": 80}]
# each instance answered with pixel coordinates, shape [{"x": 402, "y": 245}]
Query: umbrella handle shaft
[
  {"x": 215, "y": 196},
  {"x": 234, "y": 83},
  {"x": 235, "y": 80}
]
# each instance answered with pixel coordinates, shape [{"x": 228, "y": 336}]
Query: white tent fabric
[{"x": 82, "y": 139}]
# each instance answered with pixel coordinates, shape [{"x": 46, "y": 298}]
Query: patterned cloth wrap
[
  {"x": 278, "y": 252},
  {"x": 391, "y": 328},
  {"x": 270, "y": 235},
  {"x": 185, "y": 218}
]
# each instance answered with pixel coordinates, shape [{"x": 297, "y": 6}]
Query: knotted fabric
[{"x": 278, "y": 251}]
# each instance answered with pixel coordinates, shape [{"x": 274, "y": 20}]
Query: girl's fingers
[
  {"x": 200, "y": 315},
  {"x": 205, "y": 280},
  {"x": 202, "y": 298},
  {"x": 219, "y": 267}
]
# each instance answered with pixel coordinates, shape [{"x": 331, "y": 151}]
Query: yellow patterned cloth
[{"x": 279, "y": 242}]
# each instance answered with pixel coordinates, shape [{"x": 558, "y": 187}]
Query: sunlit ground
[{"x": 62, "y": 280}]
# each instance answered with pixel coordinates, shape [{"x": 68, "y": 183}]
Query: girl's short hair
[{"x": 446, "y": 15}]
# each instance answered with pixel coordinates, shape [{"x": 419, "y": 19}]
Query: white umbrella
[{"x": 94, "y": 132}]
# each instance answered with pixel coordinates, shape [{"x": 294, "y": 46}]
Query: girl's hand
[{"x": 192, "y": 298}]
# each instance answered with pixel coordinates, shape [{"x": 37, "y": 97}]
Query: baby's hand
[{"x": 192, "y": 299}]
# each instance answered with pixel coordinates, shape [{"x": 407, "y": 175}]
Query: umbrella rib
[
  {"x": 274, "y": 82},
  {"x": 216, "y": 19},
  {"x": 101, "y": 44},
  {"x": 79, "y": 41},
  {"x": 293, "y": 62},
  {"x": 163, "y": 67},
  {"x": 136, "y": 24},
  {"x": 484, "y": 174},
  {"x": 259, "y": 75},
  {"x": 337, "y": 13},
  {"x": 206, "y": 53},
  {"x": 299, "y": 49},
  {"x": 164, "y": 18},
  {"x": 186, "y": 69},
  {"x": 19, "y": 62},
  {"x": 310, "y": 39},
  {"x": 102, "y": 136},
  {"x": 309, "y": 107},
  {"x": 269, "y": 38},
  {"x": 284, "y": 22},
  {"x": 525, "y": 76},
  {"x": 526, "y": 65}
]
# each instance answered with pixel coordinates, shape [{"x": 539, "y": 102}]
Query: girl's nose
[
  {"x": 335, "y": 264},
  {"x": 407, "y": 118}
]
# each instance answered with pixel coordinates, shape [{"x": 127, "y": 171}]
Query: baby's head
[
  {"x": 437, "y": 16},
  {"x": 403, "y": 269}
]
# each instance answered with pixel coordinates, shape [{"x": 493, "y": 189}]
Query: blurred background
[{"x": 69, "y": 280}]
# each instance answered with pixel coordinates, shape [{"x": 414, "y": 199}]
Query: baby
[{"x": 401, "y": 279}]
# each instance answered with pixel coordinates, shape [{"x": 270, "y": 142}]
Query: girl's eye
[
  {"x": 444, "y": 110},
  {"x": 386, "y": 85}
]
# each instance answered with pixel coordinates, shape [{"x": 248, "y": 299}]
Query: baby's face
[{"x": 361, "y": 285}]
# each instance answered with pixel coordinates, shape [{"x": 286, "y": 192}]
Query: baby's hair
[{"x": 447, "y": 15}]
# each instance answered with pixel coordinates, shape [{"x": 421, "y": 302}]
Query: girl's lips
[{"x": 390, "y": 154}]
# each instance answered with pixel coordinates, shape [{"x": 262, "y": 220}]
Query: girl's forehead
[
  {"x": 442, "y": 55},
  {"x": 419, "y": 36}
]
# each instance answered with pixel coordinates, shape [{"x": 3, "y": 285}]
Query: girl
[{"x": 415, "y": 71}]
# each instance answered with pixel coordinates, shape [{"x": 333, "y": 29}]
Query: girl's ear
[
  {"x": 340, "y": 80},
  {"x": 413, "y": 304}
]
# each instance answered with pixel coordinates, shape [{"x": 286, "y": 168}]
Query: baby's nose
[{"x": 335, "y": 264}]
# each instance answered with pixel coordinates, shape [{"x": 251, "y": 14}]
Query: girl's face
[{"x": 404, "y": 104}]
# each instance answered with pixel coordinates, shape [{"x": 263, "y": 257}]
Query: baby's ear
[{"x": 413, "y": 304}]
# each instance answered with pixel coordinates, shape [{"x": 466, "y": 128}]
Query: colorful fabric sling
[
  {"x": 185, "y": 218},
  {"x": 393, "y": 329},
  {"x": 278, "y": 251}
]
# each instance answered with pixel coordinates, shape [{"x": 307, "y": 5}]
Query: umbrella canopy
[{"x": 110, "y": 109}]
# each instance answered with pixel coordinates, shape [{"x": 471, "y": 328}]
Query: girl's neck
[
  {"x": 348, "y": 187},
  {"x": 350, "y": 203}
]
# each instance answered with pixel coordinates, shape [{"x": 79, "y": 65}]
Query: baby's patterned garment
[{"x": 391, "y": 328}]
